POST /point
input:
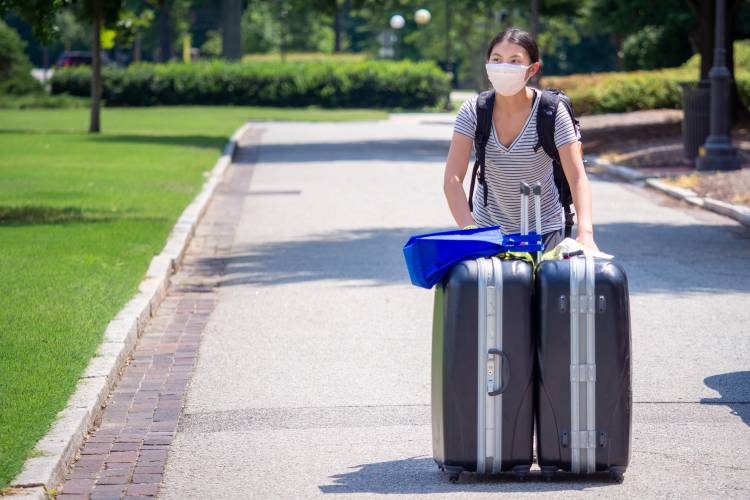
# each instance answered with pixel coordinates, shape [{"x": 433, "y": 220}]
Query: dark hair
[{"x": 519, "y": 37}]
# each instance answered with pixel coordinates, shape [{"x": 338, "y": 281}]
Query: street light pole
[{"x": 718, "y": 152}]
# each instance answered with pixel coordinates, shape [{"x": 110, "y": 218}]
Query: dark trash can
[{"x": 696, "y": 118}]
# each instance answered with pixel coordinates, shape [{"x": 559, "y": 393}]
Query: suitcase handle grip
[
  {"x": 574, "y": 253},
  {"x": 506, "y": 371}
]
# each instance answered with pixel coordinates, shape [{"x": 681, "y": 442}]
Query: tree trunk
[
  {"x": 535, "y": 33},
  {"x": 165, "y": 31},
  {"x": 617, "y": 39},
  {"x": 96, "y": 68},
  {"x": 705, "y": 13},
  {"x": 282, "y": 31},
  {"x": 231, "y": 42},
  {"x": 137, "y": 48},
  {"x": 448, "y": 45},
  {"x": 336, "y": 26}
]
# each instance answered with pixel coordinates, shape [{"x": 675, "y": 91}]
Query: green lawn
[{"x": 81, "y": 216}]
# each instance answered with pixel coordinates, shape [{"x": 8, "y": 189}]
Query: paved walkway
[{"x": 312, "y": 377}]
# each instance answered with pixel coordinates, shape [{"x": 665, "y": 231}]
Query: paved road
[{"x": 313, "y": 373}]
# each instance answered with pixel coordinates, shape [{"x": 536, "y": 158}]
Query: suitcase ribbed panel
[
  {"x": 473, "y": 431},
  {"x": 583, "y": 392}
]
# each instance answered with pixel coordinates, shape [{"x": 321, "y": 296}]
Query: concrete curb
[
  {"x": 621, "y": 171},
  {"x": 737, "y": 212},
  {"x": 57, "y": 449}
]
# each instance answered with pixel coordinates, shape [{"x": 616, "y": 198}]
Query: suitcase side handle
[{"x": 506, "y": 371}]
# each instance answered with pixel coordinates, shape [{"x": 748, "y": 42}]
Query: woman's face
[{"x": 512, "y": 53}]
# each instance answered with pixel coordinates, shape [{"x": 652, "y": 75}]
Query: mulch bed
[{"x": 664, "y": 155}]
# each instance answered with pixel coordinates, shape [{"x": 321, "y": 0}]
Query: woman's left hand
[{"x": 587, "y": 240}]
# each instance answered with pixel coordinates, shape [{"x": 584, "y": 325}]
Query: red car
[{"x": 77, "y": 58}]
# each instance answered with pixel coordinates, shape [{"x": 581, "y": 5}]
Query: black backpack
[{"x": 545, "y": 128}]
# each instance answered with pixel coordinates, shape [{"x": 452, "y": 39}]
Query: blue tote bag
[{"x": 430, "y": 256}]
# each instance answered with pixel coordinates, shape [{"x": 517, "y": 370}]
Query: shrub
[
  {"x": 617, "y": 92},
  {"x": 624, "y": 91},
  {"x": 15, "y": 68},
  {"x": 365, "y": 84},
  {"x": 741, "y": 58},
  {"x": 655, "y": 47},
  {"x": 743, "y": 89}
]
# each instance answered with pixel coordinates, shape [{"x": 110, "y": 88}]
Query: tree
[
  {"x": 231, "y": 23},
  {"x": 646, "y": 34},
  {"x": 673, "y": 29},
  {"x": 15, "y": 67},
  {"x": 130, "y": 25},
  {"x": 99, "y": 13},
  {"x": 70, "y": 30},
  {"x": 284, "y": 25},
  {"x": 165, "y": 30},
  {"x": 40, "y": 14}
]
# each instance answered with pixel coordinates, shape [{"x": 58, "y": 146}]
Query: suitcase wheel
[
  {"x": 521, "y": 471},
  {"x": 617, "y": 475},
  {"x": 454, "y": 473},
  {"x": 548, "y": 472}
]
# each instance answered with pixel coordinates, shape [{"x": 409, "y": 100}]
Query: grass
[
  {"x": 81, "y": 216},
  {"x": 42, "y": 100}
]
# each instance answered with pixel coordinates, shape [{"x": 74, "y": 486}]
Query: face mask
[{"x": 508, "y": 79}]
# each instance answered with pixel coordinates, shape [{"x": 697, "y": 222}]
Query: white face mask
[{"x": 508, "y": 79}]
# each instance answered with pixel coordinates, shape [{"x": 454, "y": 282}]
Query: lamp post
[
  {"x": 718, "y": 153},
  {"x": 397, "y": 22}
]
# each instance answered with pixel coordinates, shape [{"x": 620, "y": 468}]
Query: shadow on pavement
[
  {"x": 404, "y": 150},
  {"x": 677, "y": 259},
  {"x": 657, "y": 258},
  {"x": 373, "y": 256},
  {"x": 420, "y": 475},
  {"x": 734, "y": 388}
]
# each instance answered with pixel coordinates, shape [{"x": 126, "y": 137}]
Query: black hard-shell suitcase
[
  {"x": 482, "y": 368},
  {"x": 584, "y": 398},
  {"x": 483, "y": 363}
]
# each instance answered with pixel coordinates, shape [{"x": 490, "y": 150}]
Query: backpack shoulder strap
[
  {"x": 545, "y": 127},
  {"x": 484, "y": 106},
  {"x": 545, "y": 122}
]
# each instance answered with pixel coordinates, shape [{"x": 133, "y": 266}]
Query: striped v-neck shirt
[{"x": 506, "y": 167}]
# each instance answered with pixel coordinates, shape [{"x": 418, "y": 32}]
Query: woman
[{"x": 509, "y": 154}]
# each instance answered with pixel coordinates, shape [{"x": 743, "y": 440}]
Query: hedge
[
  {"x": 618, "y": 92},
  {"x": 365, "y": 84}
]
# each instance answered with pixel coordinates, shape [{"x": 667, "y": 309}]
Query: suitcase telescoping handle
[
  {"x": 525, "y": 191},
  {"x": 506, "y": 371}
]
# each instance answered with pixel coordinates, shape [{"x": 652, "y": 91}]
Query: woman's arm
[
  {"x": 453, "y": 181},
  {"x": 575, "y": 173}
]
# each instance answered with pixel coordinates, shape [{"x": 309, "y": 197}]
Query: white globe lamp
[
  {"x": 422, "y": 16},
  {"x": 397, "y": 21}
]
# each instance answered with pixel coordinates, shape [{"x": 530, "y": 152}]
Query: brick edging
[
  {"x": 57, "y": 449},
  {"x": 737, "y": 212}
]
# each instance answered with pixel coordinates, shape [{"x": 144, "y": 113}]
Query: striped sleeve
[
  {"x": 565, "y": 132},
  {"x": 466, "y": 119}
]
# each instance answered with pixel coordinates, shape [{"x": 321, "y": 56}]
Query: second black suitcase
[{"x": 584, "y": 368}]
